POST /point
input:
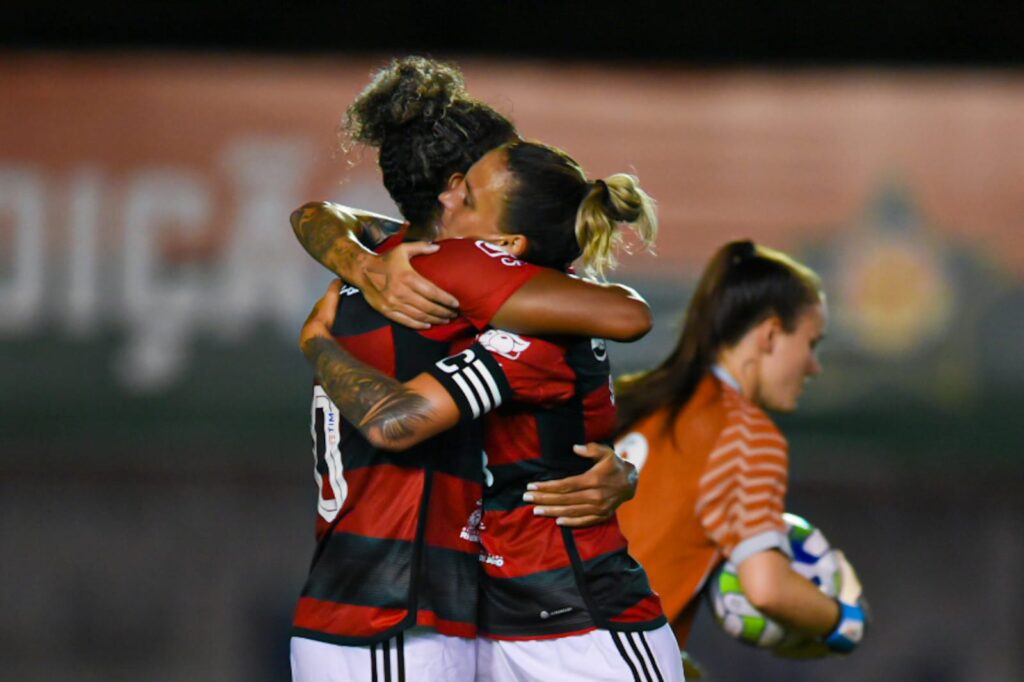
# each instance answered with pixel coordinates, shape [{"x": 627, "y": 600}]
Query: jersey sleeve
[
  {"x": 742, "y": 491},
  {"x": 481, "y": 276},
  {"x": 500, "y": 367}
]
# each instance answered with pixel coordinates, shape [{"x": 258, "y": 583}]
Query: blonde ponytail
[
  {"x": 566, "y": 217},
  {"x": 618, "y": 199}
]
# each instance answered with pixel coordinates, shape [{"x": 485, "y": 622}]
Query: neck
[
  {"x": 742, "y": 367},
  {"x": 421, "y": 233}
]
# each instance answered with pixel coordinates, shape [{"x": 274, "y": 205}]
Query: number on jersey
[{"x": 327, "y": 468}]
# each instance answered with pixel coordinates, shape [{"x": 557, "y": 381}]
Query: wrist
[
  {"x": 349, "y": 260},
  {"x": 849, "y": 628},
  {"x": 362, "y": 263}
]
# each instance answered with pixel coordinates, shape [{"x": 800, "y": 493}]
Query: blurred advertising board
[{"x": 151, "y": 290}]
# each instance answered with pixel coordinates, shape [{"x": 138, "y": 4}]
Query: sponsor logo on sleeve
[
  {"x": 505, "y": 344},
  {"x": 494, "y": 252},
  {"x": 633, "y": 448}
]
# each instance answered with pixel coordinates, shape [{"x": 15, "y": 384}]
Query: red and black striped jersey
[
  {"x": 542, "y": 580},
  {"x": 395, "y": 541}
]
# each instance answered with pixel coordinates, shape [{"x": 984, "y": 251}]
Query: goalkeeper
[{"x": 713, "y": 465}]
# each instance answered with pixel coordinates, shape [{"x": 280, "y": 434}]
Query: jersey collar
[{"x": 723, "y": 375}]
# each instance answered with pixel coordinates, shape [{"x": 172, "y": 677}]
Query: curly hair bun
[{"x": 407, "y": 89}]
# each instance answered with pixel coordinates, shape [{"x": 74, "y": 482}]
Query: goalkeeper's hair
[{"x": 743, "y": 285}]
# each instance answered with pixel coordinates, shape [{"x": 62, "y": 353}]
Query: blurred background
[{"x": 156, "y": 496}]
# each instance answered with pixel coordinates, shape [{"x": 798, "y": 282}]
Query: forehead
[
  {"x": 814, "y": 318},
  {"x": 491, "y": 169}
]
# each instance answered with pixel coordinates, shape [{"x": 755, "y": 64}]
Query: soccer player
[
  {"x": 556, "y": 603},
  {"x": 714, "y": 467},
  {"x": 393, "y": 585}
]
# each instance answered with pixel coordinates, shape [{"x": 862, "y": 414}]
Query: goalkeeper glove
[{"x": 853, "y": 611}]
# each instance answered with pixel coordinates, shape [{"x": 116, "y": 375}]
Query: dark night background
[{"x": 159, "y": 528}]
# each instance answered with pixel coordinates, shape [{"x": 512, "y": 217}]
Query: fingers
[
  {"x": 576, "y": 510},
  {"x": 570, "y": 511},
  {"x": 580, "y": 522},
  {"x": 591, "y": 478},
  {"x": 850, "y": 590},
  {"x": 327, "y": 306},
  {"x": 417, "y": 313},
  {"x": 582, "y": 497},
  {"x": 402, "y": 295},
  {"x": 436, "y": 296},
  {"x": 593, "y": 451},
  {"x": 404, "y": 319},
  {"x": 564, "y": 485},
  {"x": 432, "y": 298},
  {"x": 417, "y": 248},
  {"x": 574, "y": 516},
  {"x": 333, "y": 291}
]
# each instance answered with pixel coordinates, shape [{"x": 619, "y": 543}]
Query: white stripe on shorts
[{"x": 636, "y": 652}]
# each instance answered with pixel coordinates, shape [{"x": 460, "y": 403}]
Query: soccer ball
[{"x": 812, "y": 558}]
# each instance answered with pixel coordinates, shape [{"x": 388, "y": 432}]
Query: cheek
[{"x": 786, "y": 373}]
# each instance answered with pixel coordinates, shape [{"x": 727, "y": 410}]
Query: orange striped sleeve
[{"x": 742, "y": 491}]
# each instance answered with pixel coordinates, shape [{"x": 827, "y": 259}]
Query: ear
[
  {"x": 767, "y": 331},
  {"x": 455, "y": 179},
  {"x": 513, "y": 244}
]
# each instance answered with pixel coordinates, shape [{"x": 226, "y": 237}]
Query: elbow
[
  {"x": 763, "y": 579},
  {"x": 298, "y": 214},
  {"x": 633, "y": 322},
  {"x": 381, "y": 440},
  {"x": 764, "y": 596}
]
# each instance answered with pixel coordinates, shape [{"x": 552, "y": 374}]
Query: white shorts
[
  {"x": 417, "y": 655},
  {"x": 591, "y": 657}
]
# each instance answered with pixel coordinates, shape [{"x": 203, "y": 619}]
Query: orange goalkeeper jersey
[{"x": 712, "y": 486}]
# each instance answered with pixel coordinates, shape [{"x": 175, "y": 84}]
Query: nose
[
  {"x": 446, "y": 198},
  {"x": 814, "y": 368}
]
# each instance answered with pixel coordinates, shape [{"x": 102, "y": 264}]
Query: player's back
[
  {"x": 542, "y": 580},
  {"x": 687, "y": 506}
]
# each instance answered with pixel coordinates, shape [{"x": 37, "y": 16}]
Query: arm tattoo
[
  {"x": 379, "y": 406},
  {"x": 329, "y": 233}
]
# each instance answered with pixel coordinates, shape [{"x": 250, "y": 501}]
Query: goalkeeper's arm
[{"x": 784, "y": 595}]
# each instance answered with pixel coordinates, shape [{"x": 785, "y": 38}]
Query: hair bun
[
  {"x": 407, "y": 89},
  {"x": 743, "y": 250}
]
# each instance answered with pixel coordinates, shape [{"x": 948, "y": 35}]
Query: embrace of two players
[{"x": 463, "y": 530}]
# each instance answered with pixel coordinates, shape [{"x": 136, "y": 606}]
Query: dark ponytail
[
  {"x": 743, "y": 285},
  {"x": 417, "y": 113}
]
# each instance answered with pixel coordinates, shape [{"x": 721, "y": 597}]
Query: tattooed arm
[
  {"x": 331, "y": 234},
  {"x": 334, "y": 234},
  {"x": 395, "y": 416},
  {"x": 390, "y": 415}
]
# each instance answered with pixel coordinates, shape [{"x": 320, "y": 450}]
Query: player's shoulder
[
  {"x": 744, "y": 421},
  {"x": 468, "y": 252}
]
